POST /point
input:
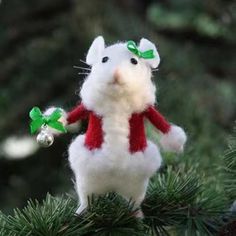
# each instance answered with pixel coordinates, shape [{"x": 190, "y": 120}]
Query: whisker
[
  {"x": 155, "y": 70},
  {"x": 84, "y": 62},
  {"x": 83, "y": 68},
  {"x": 83, "y": 73}
]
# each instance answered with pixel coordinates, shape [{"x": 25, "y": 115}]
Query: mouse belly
[
  {"x": 116, "y": 131},
  {"x": 102, "y": 170}
]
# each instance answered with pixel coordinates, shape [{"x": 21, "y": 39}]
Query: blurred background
[{"x": 41, "y": 41}]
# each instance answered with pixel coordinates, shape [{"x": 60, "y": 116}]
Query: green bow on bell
[
  {"x": 149, "y": 54},
  {"x": 39, "y": 120}
]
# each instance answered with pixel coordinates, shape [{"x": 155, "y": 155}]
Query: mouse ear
[
  {"x": 95, "y": 50},
  {"x": 145, "y": 45}
]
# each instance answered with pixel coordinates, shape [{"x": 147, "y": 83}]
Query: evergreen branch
[
  {"x": 110, "y": 214},
  {"x": 229, "y": 184},
  {"x": 106, "y": 215},
  {"x": 54, "y": 217},
  {"x": 229, "y": 170},
  {"x": 177, "y": 200},
  {"x": 168, "y": 195}
]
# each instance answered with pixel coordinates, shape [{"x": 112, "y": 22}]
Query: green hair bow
[{"x": 131, "y": 45}]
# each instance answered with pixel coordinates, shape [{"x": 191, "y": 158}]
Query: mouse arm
[
  {"x": 70, "y": 119},
  {"x": 173, "y": 137},
  {"x": 78, "y": 113}
]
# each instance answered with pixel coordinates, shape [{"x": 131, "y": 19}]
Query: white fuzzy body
[
  {"x": 104, "y": 170},
  {"x": 113, "y": 167},
  {"x": 114, "y": 90}
]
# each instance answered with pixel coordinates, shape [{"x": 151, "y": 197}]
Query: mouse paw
[
  {"x": 81, "y": 210},
  {"x": 138, "y": 214},
  {"x": 174, "y": 140}
]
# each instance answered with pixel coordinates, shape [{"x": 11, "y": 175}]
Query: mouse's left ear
[
  {"x": 146, "y": 45},
  {"x": 95, "y": 50}
]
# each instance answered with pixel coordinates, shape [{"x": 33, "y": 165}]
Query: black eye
[
  {"x": 105, "y": 59},
  {"x": 133, "y": 61}
]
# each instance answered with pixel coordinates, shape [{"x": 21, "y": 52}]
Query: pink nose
[{"x": 116, "y": 76}]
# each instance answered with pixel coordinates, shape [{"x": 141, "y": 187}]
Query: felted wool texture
[
  {"x": 94, "y": 134},
  {"x": 117, "y": 96},
  {"x": 157, "y": 120},
  {"x": 71, "y": 127},
  {"x": 79, "y": 112},
  {"x": 115, "y": 103},
  {"x": 136, "y": 133},
  {"x": 174, "y": 140},
  {"x": 63, "y": 119},
  {"x": 103, "y": 170}
]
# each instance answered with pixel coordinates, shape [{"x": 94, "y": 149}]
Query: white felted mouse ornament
[{"x": 116, "y": 97}]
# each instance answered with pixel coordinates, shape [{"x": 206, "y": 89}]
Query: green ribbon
[
  {"x": 149, "y": 54},
  {"x": 38, "y": 120}
]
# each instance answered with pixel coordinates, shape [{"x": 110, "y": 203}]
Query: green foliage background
[{"x": 40, "y": 41}]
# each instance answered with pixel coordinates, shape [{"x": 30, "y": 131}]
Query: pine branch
[
  {"x": 106, "y": 215},
  {"x": 229, "y": 182},
  {"x": 229, "y": 170},
  {"x": 54, "y": 217},
  {"x": 175, "y": 202},
  {"x": 112, "y": 215},
  {"x": 178, "y": 200}
]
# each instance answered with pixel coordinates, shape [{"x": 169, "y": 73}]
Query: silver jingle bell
[{"x": 45, "y": 138}]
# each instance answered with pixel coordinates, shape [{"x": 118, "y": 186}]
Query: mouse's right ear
[{"x": 95, "y": 50}]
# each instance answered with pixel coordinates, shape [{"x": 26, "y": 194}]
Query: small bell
[{"x": 45, "y": 137}]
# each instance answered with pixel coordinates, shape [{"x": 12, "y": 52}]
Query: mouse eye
[
  {"x": 105, "y": 59},
  {"x": 133, "y": 61}
]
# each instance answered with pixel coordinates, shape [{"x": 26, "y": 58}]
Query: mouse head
[{"x": 120, "y": 74}]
